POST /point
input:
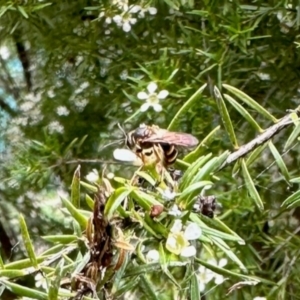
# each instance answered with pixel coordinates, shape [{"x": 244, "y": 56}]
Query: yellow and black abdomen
[{"x": 170, "y": 153}]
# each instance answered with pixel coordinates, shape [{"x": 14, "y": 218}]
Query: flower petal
[
  {"x": 174, "y": 211},
  {"x": 163, "y": 94},
  {"x": 152, "y": 255},
  {"x": 192, "y": 232},
  {"x": 152, "y": 86},
  {"x": 145, "y": 107},
  {"x": 142, "y": 95},
  {"x": 132, "y": 21},
  {"x": 157, "y": 107},
  {"x": 126, "y": 26},
  {"x": 171, "y": 244},
  {"x": 92, "y": 176},
  {"x": 188, "y": 251},
  {"x": 222, "y": 263},
  {"x": 152, "y": 10},
  {"x": 117, "y": 19},
  {"x": 219, "y": 279},
  {"x": 177, "y": 226}
]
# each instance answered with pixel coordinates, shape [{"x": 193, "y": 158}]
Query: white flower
[
  {"x": 205, "y": 275},
  {"x": 222, "y": 263},
  {"x": 152, "y": 256},
  {"x": 33, "y": 97},
  {"x": 152, "y": 99},
  {"x": 174, "y": 211},
  {"x": 4, "y": 52},
  {"x": 62, "y": 111},
  {"x": 84, "y": 85},
  {"x": 55, "y": 126},
  {"x": 81, "y": 104},
  {"x": 51, "y": 94},
  {"x": 92, "y": 176},
  {"x": 168, "y": 195},
  {"x": 40, "y": 281},
  {"x": 260, "y": 298},
  {"x": 26, "y": 106},
  {"x": 125, "y": 21},
  {"x": 178, "y": 240}
]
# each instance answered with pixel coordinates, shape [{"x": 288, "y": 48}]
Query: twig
[
  {"x": 260, "y": 139},
  {"x": 101, "y": 161}
]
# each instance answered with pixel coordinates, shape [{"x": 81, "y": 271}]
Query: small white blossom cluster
[
  {"x": 82, "y": 87},
  {"x": 127, "y": 15},
  {"x": 62, "y": 111},
  {"x": 55, "y": 127},
  {"x": 206, "y": 275}
]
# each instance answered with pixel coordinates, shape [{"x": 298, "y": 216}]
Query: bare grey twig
[{"x": 260, "y": 139}]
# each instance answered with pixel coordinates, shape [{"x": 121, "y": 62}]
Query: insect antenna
[{"x": 124, "y": 132}]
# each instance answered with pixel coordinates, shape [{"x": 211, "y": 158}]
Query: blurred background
[{"x": 70, "y": 71}]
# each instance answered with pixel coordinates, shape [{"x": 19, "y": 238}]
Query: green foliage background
[{"x": 61, "y": 54}]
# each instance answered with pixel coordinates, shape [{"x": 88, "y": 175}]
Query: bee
[{"x": 153, "y": 144}]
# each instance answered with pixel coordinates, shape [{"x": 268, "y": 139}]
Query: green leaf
[
  {"x": 164, "y": 264},
  {"x": 143, "y": 269},
  {"x": 27, "y": 242},
  {"x": 22, "y": 11},
  {"x": 255, "y": 154},
  {"x": 291, "y": 199},
  {"x": 148, "y": 288},
  {"x": 192, "y": 170},
  {"x": 62, "y": 239},
  {"x": 144, "y": 200},
  {"x": 90, "y": 187},
  {"x": 193, "y": 189},
  {"x": 194, "y": 288},
  {"x": 226, "y": 249},
  {"x": 145, "y": 224},
  {"x": 113, "y": 202},
  {"x": 223, "y": 271},
  {"x": 244, "y": 113},
  {"x": 12, "y": 273},
  {"x": 185, "y": 108},
  {"x": 210, "y": 166},
  {"x": 279, "y": 161},
  {"x": 225, "y": 117},
  {"x": 251, "y": 187},
  {"x": 40, "y": 6},
  {"x": 249, "y": 101},
  {"x": 55, "y": 281},
  {"x": 293, "y": 136},
  {"x": 209, "y": 231},
  {"x": 147, "y": 177},
  {"x": 127, "y": 287},
  {"x": 1, "y": 263},
  {"x": 23, "y": 291},
  {"x": 75, "y": 188},
  {"x": 75, "y": 213},
  {"x": 89, "y": 201}
]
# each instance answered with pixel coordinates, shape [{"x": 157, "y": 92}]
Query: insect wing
[{"x": 172, "y": 138}]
